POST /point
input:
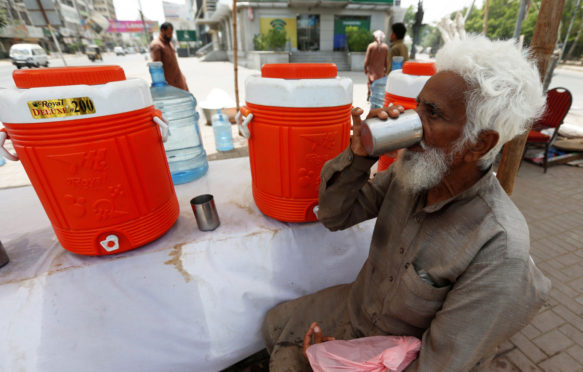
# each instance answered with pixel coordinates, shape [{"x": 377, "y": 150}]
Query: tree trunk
[
  {"x": 485, "y": 26},
  {"x": 569, "y": 30},
  {"x": 542, "y": 44},
  {"x": 572, "y": 48}
]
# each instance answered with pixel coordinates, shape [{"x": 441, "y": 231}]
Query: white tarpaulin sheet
[{"x": 189, "y": 301}]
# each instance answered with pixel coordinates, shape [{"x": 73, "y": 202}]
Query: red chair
[{"x": 558, "y": 104}]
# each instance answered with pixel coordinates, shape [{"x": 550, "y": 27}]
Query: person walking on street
[
  {"x": 397, "y": 46},
  {"x": 162, "y": 50},
  {"x": 375, "y": 61}
]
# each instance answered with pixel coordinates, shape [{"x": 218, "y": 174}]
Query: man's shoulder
[
  {"x": 156, "y": 43},
  {"x": 399, "y": 49},
  {"x": 508, "y": 220}
]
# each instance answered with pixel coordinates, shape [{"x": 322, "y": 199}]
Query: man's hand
[
  {"x": 316, "y": 332},
  {"x": 382, "y": 113}
]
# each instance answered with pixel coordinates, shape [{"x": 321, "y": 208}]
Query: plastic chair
[{"x": 558, "y": 104}]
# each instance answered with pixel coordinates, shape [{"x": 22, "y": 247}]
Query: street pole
[
  {"x": 542, "y": 44},
  {"x": 40, "y": 5},
  {"x": 417, "y": 29},
  {"x": 235, "y": 66},
  {"x": 144, "y": 25},
  {"x": 468, "y": 11},
  {"x": 519, "y": 20}
]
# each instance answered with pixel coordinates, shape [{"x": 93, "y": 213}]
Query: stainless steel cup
[
  {"x": 3, "y": 256},
  {"x": 205, "y": 212},
  {"x": 381, "y": 136}
]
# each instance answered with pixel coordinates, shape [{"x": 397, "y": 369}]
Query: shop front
[{"x": 344, "y": 24}]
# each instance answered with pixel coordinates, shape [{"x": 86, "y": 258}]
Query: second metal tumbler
[{"x": 381, "y": 136}]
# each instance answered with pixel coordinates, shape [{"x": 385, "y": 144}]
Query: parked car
[
  {"x": 130, "y": 50},
  {"x": 31, "y": 55},
  {"x": 119, "y": 51}
]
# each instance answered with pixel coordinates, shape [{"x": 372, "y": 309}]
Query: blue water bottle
[
  {"x": 222, "y": 131},
  {"x": 397, "y": 63},
  {"x": 184, "y": 150}
]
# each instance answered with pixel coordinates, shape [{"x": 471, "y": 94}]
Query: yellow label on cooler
[{"x": 56, "y": 108}]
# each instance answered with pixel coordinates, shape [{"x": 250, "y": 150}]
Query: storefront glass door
[{"x": 308, "y": 32}]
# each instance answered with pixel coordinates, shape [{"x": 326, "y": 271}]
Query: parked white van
[{"x": 31, "y": 55}]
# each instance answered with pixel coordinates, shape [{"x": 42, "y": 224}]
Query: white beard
[{"x": 419, "y": 171}]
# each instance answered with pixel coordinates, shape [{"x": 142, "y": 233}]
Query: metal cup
[
  {"x": 3, "y": 256},
  {"x": 381, "y": 136},
  {"x": 205, "y": 212}
]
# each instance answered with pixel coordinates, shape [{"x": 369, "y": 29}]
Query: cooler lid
[
  {"x": 299, "y": 70},
  {"x": 62, "y": 76},
  {"x": 419, "y": 68}
]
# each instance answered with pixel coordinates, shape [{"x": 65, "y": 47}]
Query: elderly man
[
  {"x": 375, "y": 60},
  {"x": 162, "y": 50},
  {"x": 449, "y": 259}
]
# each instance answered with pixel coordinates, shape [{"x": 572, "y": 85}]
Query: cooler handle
[
  {"x": 163, "y": 124},
  {"x": 3, "y": 151},
  {"x": 244, "y": 126}
]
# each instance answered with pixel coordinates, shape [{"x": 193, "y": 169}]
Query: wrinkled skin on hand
[{"x": 381, "y": 113}]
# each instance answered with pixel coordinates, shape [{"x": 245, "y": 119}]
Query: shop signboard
[
  {"x": 35, "y": 32},
  {"x": 186, "y": 35},
  {"x": 131, "y": 26},
  {"x": 343, "y": 24},
  {"x": 15, "y": 30},
  {"x": 281, "y": 23}
]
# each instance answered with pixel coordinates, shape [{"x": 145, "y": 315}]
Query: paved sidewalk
[{"x": 553, "y": 206}]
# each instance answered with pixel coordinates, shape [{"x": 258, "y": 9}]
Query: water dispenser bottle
[
  {"x": 184, "y": 150},
  {"x": 222, "y": 131}
]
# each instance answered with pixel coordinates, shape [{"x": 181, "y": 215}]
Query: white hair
[
  {"x": 504, "y": 89},
  {"x": 379, "y": 36}
]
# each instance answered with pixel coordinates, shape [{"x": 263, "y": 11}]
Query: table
[{"x": 189, "y": 301}]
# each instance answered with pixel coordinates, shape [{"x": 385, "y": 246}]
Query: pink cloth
[{"x": 366, "y": 354}]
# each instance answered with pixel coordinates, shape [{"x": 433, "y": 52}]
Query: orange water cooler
[
  {"x": 297, "y": 116},
  {"x": 403, "y": 87},
  {"x": 91, "y": 144}
]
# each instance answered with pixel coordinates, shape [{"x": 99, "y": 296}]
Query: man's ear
[{"x": 487, "y": 139}]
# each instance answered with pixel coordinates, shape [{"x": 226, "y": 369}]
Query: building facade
[
  {"x": 313, "y": 26},
  {"x": 316, "y": 29},
  {"x": 19, "y": 28}
]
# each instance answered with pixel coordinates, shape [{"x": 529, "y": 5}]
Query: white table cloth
[{"x": 189, "y": 301}]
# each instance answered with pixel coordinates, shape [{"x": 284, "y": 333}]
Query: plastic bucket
[
  {"x": 101, "y": 173},
  {"x": 403, "y": 87},
  {"x": 297, "y": 117}
]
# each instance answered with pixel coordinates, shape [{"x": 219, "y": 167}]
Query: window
[
  {"x": 308, "y": 27},
  {"x": 25, "y": 18}
]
